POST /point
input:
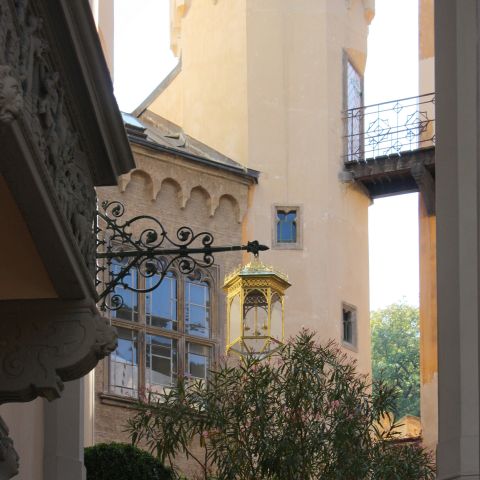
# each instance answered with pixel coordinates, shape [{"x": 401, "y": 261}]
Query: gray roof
[{"x": 156, "y": 132}]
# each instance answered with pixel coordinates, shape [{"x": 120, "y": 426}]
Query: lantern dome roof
[{"x": 256, "y": 268}]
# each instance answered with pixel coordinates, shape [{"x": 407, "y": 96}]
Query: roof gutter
[{"x": 247, "y": 173}]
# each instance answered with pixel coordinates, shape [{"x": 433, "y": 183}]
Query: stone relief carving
[
  {"x": 9, "y": 460},
  {"x": 57, "y": 341},
  {"x": 30, "y": 84},
  {"x": 11, "y": 99}
]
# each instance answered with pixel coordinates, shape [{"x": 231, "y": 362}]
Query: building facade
[
  {"x": 61, "y": 135},
  {"x": 427, "y": 246},
  {"x": 265, "y": 83},
  {"x": 179, "y": 328}
]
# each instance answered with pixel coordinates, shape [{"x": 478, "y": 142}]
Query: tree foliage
[
  {"x": 119, "y": 461},
  {"x": 396, "y": 354},
  {"x": 304, "y": 413}
]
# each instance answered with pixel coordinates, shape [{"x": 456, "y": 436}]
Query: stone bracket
[
  {"x": 46, "y": 342},
  {"x": 426, "y": 186}
]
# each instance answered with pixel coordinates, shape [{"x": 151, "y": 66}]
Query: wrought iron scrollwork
[
  {"x": 143, "y": 245},
  {"x": 389, "y": 128}
]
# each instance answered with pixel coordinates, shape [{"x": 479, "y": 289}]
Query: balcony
[{"x": 389, "y": 148}]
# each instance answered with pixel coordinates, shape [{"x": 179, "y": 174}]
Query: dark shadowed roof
[{"x": 158, "y": 133}]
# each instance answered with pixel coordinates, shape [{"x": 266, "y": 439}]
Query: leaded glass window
[
  {"x": 160, "y": 361},
  {"x": 124, "y": 364},
  {"x": 162, "y": 333},
  {"x": 197, "y": 308},
  {"x": 197, "y": 361},
  {"x": 129, "y": 308},
  {"x": 354, "y": 102},
  {"x": 161, "y": 303}
]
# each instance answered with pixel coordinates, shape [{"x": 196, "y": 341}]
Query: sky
[
  {"x": 392, "y": 72},
  {"x": 143, "y": 58}
]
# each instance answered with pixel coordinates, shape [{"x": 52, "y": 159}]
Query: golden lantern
[{"x": 255, "y": 309}]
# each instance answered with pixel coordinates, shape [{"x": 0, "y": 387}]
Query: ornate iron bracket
[{"x": 142, "y": 243}]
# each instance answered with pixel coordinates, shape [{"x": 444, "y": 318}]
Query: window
[
  {"x": 349, "y": 325},
  {"x": 162, "y": 333},
  {"x": 286, "y": 228},
  {"x": 124, "y": 364},
  {"x": 353, "y": 102}
]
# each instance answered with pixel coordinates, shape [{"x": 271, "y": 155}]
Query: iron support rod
[{"x": 252, "y": 247}]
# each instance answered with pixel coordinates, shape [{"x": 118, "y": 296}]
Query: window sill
[
  {"x": 118, "y": 400},
  {"x": 287, "y": 246},
  {"x": 349, "y": 346}
]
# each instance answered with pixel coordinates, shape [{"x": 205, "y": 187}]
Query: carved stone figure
[
  {"x": 11, "y": 99},
  {"x": 8, "y": 456}
]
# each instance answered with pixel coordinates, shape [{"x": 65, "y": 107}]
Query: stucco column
[
  {"x": 64, "y": 432},
  {"x": 458, "y": 224},
  {"x": 428, "y": 326}
]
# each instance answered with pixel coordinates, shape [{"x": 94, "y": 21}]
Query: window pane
[
  {"x": 129, "y": 309},
  {"x": 124, "y": 365},
  {"x": 286, "y": 226},
  {"x": 355, "y": 118},
  {"x": 197, "y": 294},
  {"x": 197, "y": 309},
  {"x": 161, "y": 303},
  {"x": 160, "y": 362},
  {"x": 348, "y": 324},
  {"x": 197, "y": 361}
]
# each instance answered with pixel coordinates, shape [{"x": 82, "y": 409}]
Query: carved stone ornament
[
  {"x": 55, "y": 341},
  {"x": 11, "y": 99},
  {"x": 32, "y": 90},
  {"x": 8, "y": 456}
]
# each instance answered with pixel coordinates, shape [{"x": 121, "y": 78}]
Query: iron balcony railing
[{"x": 389, "y": 128}]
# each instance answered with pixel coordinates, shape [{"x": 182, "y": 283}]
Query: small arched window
[{"x": 286, "y": 226}]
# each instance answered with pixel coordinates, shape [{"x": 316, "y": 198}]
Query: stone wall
[{"x": 179, "y": 193}]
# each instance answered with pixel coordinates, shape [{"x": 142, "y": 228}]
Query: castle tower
[{"x": 265, "y": 83}]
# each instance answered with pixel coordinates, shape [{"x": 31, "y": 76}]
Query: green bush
[
  {"x": 119, "y": 461},
  {"x": 303, "y": 413}
]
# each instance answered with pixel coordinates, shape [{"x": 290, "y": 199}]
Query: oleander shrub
[
  {"x": 120, "y": 461},
  {"x": 303, "y": 413}
]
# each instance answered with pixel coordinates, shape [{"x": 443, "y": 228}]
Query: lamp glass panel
[
  {"x": 276, "y": 318},
  {"x": 255, "y": 313},
  {"x": 235, "y": 319}
]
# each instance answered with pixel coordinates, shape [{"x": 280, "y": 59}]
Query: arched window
[{"x": 162, "y": 333}]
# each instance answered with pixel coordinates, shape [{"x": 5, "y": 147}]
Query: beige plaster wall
[
  {"x": 211, "y": 104},
  {"x": 171, "y": 100},
  {"x": 295, "y": 86},
  {"x": 428, "y": 327},
  {"x": 428, "y": 249},
  {"x": 26, "y": 425},
  {"x": 103, "y": 15},
  {"x": 426, "y": 52},
  {"x": 262, "y": 81},
  {"x": 23, "y": 272}
]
